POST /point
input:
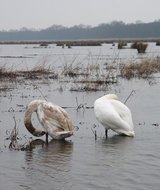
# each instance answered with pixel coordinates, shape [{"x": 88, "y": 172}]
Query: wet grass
[
  {"x": 6, "y": 74},
  {"x": 145, "y": 69},
  {"x": 38, "y": 72},
  {"x": 90, "y": 77}
]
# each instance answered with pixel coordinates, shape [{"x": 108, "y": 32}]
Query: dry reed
[
  {"x": 141, "y": 70},
  {"x": 140, "y": 46}
]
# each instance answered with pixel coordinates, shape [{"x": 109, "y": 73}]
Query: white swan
[
  {"x": 54, "y": 119},
  {"x": 113, "y": 114}
]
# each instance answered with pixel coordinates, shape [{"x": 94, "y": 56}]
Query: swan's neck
[{"x": 28, "y": 119}]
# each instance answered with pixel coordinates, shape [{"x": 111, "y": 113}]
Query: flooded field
[{"x": 80, "y": 162}]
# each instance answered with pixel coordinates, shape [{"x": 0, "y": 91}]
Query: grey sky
[{"x": 15, "y": 14}]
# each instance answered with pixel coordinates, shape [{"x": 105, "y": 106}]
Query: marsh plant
[
  {"x": 141, "y": 70},
  {"x": 140, "y": 46},
  {"x": 158, "y": 43},
  {"x": 121, "y": 44},
  {"x": 37, "y": 71},
  {"x": 85, "y": 77},
  {"x": 95, "y": 78},
  {"x": 6, "y": 73},
  {"x": 70, "y": 70},
  {"x": 69, "y": 44}
]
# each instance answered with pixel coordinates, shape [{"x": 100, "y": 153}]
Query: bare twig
[
  {"x": 95, "y": 134},
  {"x": 133, "y": 91},
  {"x": 79, "y": 106},
  {"x": 77, "y": 101},
  {"x": 36, "y": 87},
  {"x": 13, "y": 136}
]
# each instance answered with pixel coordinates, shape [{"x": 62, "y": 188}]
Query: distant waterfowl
[
  {"x": 54, "y": 120},
  {"x": 114, "y": 115}
]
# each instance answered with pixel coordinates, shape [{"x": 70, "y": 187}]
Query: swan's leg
[
  {"x": 106, "y": 132},
  {"x": 46, "y": 138}
]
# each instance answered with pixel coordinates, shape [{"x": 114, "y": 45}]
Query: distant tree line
[{"x": 113, "y": 30}]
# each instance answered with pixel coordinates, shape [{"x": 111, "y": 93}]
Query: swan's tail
[{"x": 128, "y": 133}]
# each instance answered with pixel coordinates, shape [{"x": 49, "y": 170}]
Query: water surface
[{"x": 81, "y": 162}]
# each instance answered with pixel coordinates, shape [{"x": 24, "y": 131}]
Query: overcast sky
[{"x": 39, "y": 14}]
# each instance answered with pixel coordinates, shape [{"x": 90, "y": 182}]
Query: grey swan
[{"x": 54, "y": 120}]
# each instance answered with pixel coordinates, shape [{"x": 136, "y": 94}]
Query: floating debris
[{"x": 155, "y": 124}]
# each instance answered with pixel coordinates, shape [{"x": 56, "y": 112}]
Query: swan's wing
[
  {"x": 123, "y": 111},
  {"x": 105, "y": 113},
  {"x": 61, "y": 134},
  {"x": 54, "y": 117},
  {"x": 113, "y": 114}
]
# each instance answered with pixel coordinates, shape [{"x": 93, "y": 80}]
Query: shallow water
[
  {"x": 81, "y": 162},
  {"x": 16, "y": 57}
]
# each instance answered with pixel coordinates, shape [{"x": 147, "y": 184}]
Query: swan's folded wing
[
  {"x": 123, "y": 111},
  {"x": 54, "y": 116}
]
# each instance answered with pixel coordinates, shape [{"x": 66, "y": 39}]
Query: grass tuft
[
  {"x": 141, "y": 47},
  {"x": 141, "y": 70}
]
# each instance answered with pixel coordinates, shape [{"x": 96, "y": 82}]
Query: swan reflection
[
  {"x": 115, "y": 145},
  {"x": 49, "y": 166},
  {"x": 54, "y": 152}
]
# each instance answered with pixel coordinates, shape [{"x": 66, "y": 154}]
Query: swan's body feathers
[
  {"x": 54, "y": 119},
  {"x": 113, "y": 114}
]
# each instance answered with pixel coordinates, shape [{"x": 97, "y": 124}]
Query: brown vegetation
[
  {"x": 158, "y": 43},
  {"x": 37, "y": 72},
  {"x": 121, "y": 44},
  {"x": 140, "y": 46},
  {"x": 79, "y": 43},
  {"x": 91, "y": 77},
  {"x": 4, "y": 74},
  {"x": 141, "y": 70}
]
